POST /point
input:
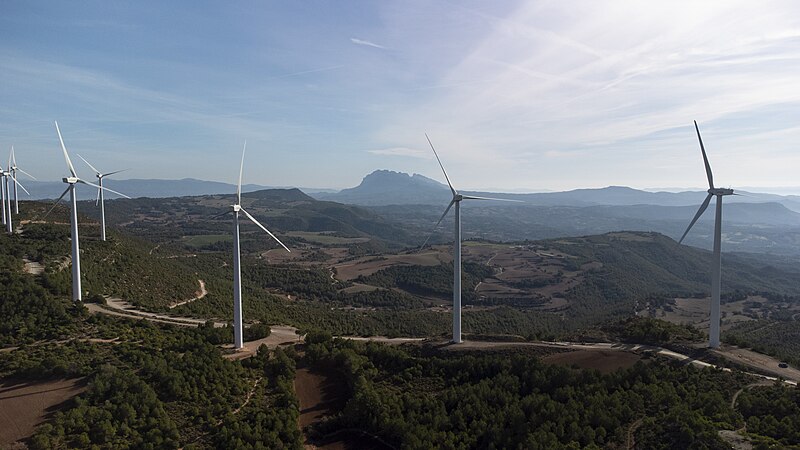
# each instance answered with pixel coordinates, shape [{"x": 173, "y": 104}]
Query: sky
[{"x": 515, "y": 95}]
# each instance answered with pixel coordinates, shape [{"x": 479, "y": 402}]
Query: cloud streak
[
  {"x": 402, "y": 151},
  {"x": 366, "y": 43}
]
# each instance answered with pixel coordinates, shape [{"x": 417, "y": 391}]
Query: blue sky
[{"x": 515, "y": 95}]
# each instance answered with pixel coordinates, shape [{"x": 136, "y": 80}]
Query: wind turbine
[
  {"x": 716, "y": 260},
  {"x": 3, "y": 194},
  {"x": 238, "y": 340},
  {"x": 7, "y": 202},
  {"x": 6, "y": 192},
  {"x": 71, "y": 181},
  {"x": 457, "y": 198},
  {"x": 12, "y": 165},
  {"x": 100, "y": 196}
]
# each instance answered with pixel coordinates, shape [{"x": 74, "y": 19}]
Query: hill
[
  {"x": 748, "y": 227},
  {"x": 385, "y": 187},
  {"x": 281, "y": 210},
  {"x": 123, "y": 266},
  {"x": 153, "y": 188}
]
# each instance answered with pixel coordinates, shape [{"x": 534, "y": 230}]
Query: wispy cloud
[
  {"x": 367, "y": 43},
  {"x": 619, "y": 84},
  {"x": 402, "y": 151}
]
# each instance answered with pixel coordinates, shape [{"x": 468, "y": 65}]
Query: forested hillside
[{"x": 411, "y": 397}]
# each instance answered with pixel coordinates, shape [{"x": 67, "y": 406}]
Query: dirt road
[{"x": 200, "y": 294}]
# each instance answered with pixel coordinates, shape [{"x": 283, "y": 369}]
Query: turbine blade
[
  {"x": 10, "y": 155},
  {"x": 97, "y": 200},
  {"x": 452, "y": 202},
  {"x": 13, "y": 156},
  {"x": 20, "y": 185},
  {"x": 112, "y": 173},
  {"x": 217, "y": 216},
  {"x": 97, "y": 172},
  {"x": 705, "y": 158},
  {"x": 471, "y": 197},
  {"x": 56, "y": 203},
  {"x": 26, "y": 173},
  {"x": 102, "y": 187},
  {"x": 697, "y": 216},
  {"x": 440, "y": 165},
  {"x": 239, "y": 186},
  {"x": 66, "y": 155},
  {"x": 263, "y": 228}
]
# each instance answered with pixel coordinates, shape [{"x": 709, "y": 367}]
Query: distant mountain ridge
[
  {"x": 152, "y": 188},
  {"x": 385, "y": 187}
]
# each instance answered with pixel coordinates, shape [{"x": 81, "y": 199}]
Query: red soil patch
[
  {"x": 606, "y": 361},
  {"x": 24, "y": 406}
]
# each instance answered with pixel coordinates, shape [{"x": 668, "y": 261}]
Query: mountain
[
  {"x": 384, "y": 187},
  {"x": 281, "y": 210},
  {"x": 151, "y": 188}
]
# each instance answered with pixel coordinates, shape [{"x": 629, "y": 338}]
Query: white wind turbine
[
  {"x": 6, "y": 192},
  {"x": 72, "y": 180},
  {"x": 238, "y": 337},
  {"x": 5, "y": 199},
  {"x": 12, "y": 167},
  {"x": 716, "y": 261},
  {"x": 100, "y": 196},
  {"x": 457, "y": 244}
]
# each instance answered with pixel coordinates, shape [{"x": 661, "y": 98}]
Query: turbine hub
[
  {"x": 720, "y": 191},
  {"x": 70, "y": 180},
  {"x": 236, "y": 208},
  {"x": 458, "y": 198}
]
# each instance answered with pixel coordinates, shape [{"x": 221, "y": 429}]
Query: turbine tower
[
  {"x": 3, "y": 195},
  {"x": 71, "y": 181},
  {"x": 100, "y": 196},
  {"x": 716, "y": 260},
  {"x": 12, "y": 165},
  {"x": 238, "y": 337},
  {"x": 6, "y": 202},
  {"x": 457, "y": 198}
]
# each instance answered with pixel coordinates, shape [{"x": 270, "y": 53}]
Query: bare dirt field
[
  {"x": 695, "y": 311},
  {"x": 606, "y": 361},
  {"x": 367, "y": 266},
  {"x": 319, "y": 395},
  {"x": 25, "y": 405}
]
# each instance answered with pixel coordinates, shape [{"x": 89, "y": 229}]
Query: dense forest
[{"x": 412, "y": 397}]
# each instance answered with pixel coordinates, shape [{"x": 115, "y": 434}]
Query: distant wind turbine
[
  {"x": 238, "y": 336},
  {"x": 3, "y": 194},
  {"x": 6, "y": 192},
  {"x": 6, "y": 199},
  {"x": 100, "y": 196},
  {"x": 716, "y": 261},
  {"x": 14, "y": 169},
  {"x": 457, "y": 244},
  {"x": 72, "y": 180}
]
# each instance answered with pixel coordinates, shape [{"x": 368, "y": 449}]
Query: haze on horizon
[{"x": 516, "y": 96}]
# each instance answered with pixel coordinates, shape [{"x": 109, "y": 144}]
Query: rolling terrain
[{"x": 353, "y": 282}]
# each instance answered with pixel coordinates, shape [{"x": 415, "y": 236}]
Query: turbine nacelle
[
  {"x": 71, "y": 180},
  {"x": 720, "y": 191},
  {"x": 236, "y": 208}
]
